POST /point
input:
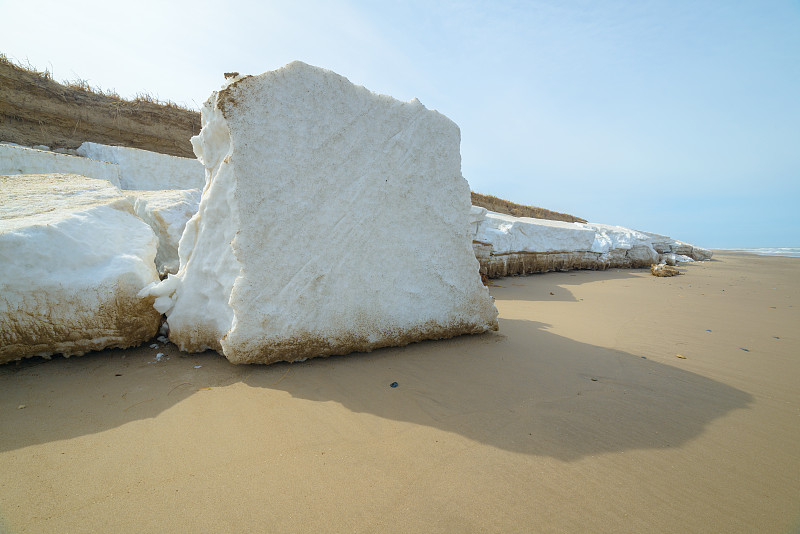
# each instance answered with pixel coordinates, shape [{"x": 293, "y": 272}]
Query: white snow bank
[
  {"x": 610, "y": 237},
  {"x": 507, "y": 234},
  {"x": 334, "y": 220},
  {"x": 74, "y": 257},
  {"x": 518, "y": 245},
  {"x": 622, "y": 247},
  {"x": 15, "y": 159},
  {"x": 145, "y": 170},
  {"x": 167, "y": 213}
]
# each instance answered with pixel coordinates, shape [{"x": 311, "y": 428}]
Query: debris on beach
[
  {"x": 681, "y": 356},
  {"x": 485, "y": 280},
  {"x": 663, "y": 269}
]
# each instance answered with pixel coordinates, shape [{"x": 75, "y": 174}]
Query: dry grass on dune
[
  {"x": 520, "y": 210},
  {"x": 80, "y": 84},
  {"x": 37, "y": 110}
]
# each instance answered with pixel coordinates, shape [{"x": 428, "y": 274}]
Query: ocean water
[{"x": 789, "y": 252}]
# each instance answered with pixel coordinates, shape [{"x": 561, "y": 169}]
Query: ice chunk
[
  {"x": 508, "y": 234},
  {"x": 507, "y": 245},
  {"x": 167, "y": 213},
  {"x": 15, "y": 159},
  {"x": 610, "y": 237},
  {"x": 145, "y": 170},
  {"x": 74, "y": 257},
  {"x": 334, "y": 220},
  {"x": 623, "y": 247},
  {"x": 674, "y": 259},
  {"x": 666, "y": 245},
  {"x": 476, "y": 215}
]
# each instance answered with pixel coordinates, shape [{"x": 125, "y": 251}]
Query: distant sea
[{"x": 789, "y": 252}]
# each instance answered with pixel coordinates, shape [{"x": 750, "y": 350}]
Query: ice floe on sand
[
  {"x": 74, "y": 257},
  {"x": 334, "y": 220},
  {"x": 507, "y": 245}
]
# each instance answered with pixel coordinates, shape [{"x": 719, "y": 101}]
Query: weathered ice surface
[
  {"x": 166, "y": 212},
  {"x": 334, "y": 220},
  {"x": 145, "y": 170},
  {"x": 507, "y": 245},
  {"x": 509, "y": 234},
  {"x": 666, "y": 245},
  {"x": 622, "y": 247},
  {"x": 73, "y": 257},
  {"x": 15, "y": 159}
]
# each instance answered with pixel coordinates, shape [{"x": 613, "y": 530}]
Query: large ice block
[
  {"x": 334, "y": 220},
  {"x": 507, "y": 245},
  {"x": 73, "y": 257}
]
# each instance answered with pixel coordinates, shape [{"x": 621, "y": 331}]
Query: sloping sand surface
[{"x": 577, "y": 416}]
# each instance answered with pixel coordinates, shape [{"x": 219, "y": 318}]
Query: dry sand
[{"x": 576, "y": 416}]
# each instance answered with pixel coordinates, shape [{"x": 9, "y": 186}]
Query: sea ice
[
  {"x": 15, "y": 159},
  {"x": 622, "y": 247},
  {"x": 666, "y": 245},
  {"x": 145, "y": 170},
  {"x": 508, "y": 234},
  {"x": 333, "y": 220},
  {"x": 507, "y": 245},
  {"x": 74, "y": 257},
  {"x": 166, "y": 212}
]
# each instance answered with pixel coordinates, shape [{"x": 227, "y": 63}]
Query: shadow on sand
[
  {"x": 555, "y": 286},
  {"x": 522, "y": 389}
]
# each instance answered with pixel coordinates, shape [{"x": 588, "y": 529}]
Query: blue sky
[{"x": 677, "y": 117}]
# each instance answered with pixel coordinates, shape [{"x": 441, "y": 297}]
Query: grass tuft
[
  {"x": 80, "y": 84},
  {"x": 500, "y": 205}
]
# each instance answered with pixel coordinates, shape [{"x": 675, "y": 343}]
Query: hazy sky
[{"x": 677, "y": 117}]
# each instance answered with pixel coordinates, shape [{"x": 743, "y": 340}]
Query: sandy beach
[{"x": 578, "y": 415}]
